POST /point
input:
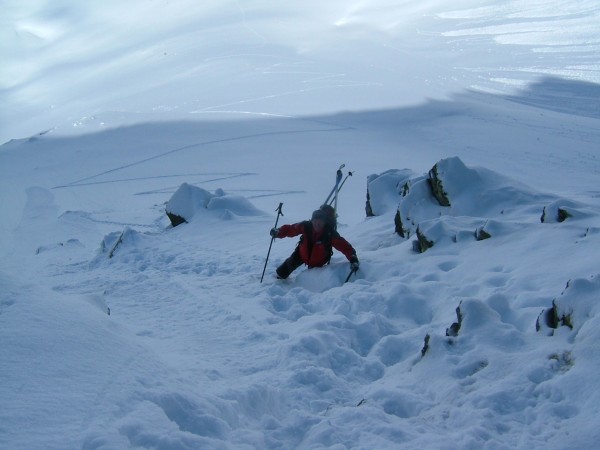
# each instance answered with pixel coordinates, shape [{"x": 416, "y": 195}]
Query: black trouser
[{"x": 290, "y": 264}]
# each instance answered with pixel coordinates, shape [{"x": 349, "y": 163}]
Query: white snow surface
[{"x": 119, "y": 331}]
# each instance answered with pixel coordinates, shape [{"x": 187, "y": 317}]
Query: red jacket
[{"x": 313, "y": 247}]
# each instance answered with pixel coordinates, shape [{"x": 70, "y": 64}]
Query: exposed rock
[
  {"x": 437, "y": 187},
  {"x": 405, "y": 189},
  {"x": 563, "y": 215},
  {"x": 175, "y": 219},
  {"x": 449, "y": 177},
  {"x": 481, "y": 234},
  {"x": 455, "y": 327},
  {"x": 185, "y": 202},
  {"x": 548, "y": 318},
  {"x": 368, "y": 208},
  {"x": 398, "y": 228},
  {"x": 425, "y": 345},
  {"x": 560, "y": 215},
  {"x": 423, "y": 242}
]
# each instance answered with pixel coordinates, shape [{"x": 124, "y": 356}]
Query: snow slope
[{"x": 168, "y": 340}]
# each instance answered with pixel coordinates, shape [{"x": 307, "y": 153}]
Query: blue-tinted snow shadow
[
  {"x": 184, "y": 142},
  {"x": 561, "y": 95}
]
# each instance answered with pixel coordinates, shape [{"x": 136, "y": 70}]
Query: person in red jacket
[{"x": 316, "y": 244}]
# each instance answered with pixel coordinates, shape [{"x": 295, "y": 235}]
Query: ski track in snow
[{"x": 85, "y": 181}]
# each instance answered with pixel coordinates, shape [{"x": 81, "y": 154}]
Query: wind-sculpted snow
[
  {"x": 190, "y": 201},
  {"x": 172, "y": 342},
  {"x": 311, "y": 362}
]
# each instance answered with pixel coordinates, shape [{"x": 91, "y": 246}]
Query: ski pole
[
  {"x": 349, "y": 275},
  {"x": 279, "y": 213},
  {"x": 340, "y": 188}
]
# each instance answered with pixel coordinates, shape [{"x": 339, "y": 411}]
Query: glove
[
  {"x": 354, "y": 264},
  {"x": 274, "y": 232}
]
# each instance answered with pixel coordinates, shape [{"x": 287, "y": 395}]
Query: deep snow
[{"x": 112, "y": 107}]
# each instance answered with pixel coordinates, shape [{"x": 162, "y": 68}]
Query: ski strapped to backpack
[
  {"x": 349, "y": 174},
  {"x": 334, "y": 191},
  {"x": 339, "y": 183}
]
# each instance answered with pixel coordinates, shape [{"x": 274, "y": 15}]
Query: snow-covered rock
[
  {"x": 562, "y": 209},
  {"x": 384, "y": 190},
  {"x": 578, "y": 303},
  {"x": 188, "y": 201},
  {"x": 455, "y": 202}
]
